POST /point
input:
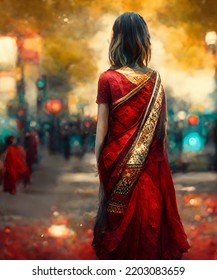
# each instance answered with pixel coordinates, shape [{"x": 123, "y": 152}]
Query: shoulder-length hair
[{"x": 130, "y": 44}]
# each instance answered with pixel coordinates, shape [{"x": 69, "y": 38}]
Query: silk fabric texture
[{"x": 138, "y": 216}]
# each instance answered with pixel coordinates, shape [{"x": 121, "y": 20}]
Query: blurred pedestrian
[
  {"x": 138, "y": 216},
  {"x": 65, "y": 134},
  {"x": 31, "y": 148},
  {"x": 15, "y": 166}
]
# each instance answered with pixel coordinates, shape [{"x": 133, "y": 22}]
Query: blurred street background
[{"x": 51, "y": 55}]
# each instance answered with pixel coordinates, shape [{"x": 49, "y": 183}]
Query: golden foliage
[
  {"x": 66, "y": 27},
  {"x": 183, "y": 50}
]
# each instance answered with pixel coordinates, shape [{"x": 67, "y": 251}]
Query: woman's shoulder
[
  {"x": 111, "y": 74},
  {"x": 107, "y": 74},
  {"x": 154, "y": 71}
]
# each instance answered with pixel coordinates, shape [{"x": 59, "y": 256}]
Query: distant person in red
[
  {"x": 15, "y": 166},
  {"x": 31, "y": 148}
]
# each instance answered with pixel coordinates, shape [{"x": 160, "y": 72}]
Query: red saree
[
  {"x": 138, "y": 216},
  {"x": 15, "y": 168}
]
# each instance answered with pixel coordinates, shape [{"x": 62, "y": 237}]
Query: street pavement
[{"x": 53, "y": 218}]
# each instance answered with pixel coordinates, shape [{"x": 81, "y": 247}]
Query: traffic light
[
  {"x": 193, "y": 120},
  {"x": 53, "y": 106},
  {"x": 193, "y": 142},
  {"x": 41, "y": 83}
]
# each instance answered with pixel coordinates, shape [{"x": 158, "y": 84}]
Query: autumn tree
[
  {"x": 65, "y": 27},
  {"x": 187, "y": 22}
]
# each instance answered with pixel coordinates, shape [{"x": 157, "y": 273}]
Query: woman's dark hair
[
  {"x": 130, "y": 44},
  {"x": 9, "y": 140}
]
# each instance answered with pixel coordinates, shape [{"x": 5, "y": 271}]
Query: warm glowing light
[
  {"x": 89, "y": 232},
  {"x": 61, "y": 231},
  {"x": 8, "y": 52},
  {"x": 197, "y": 217},
  {"x": 195, "y": 201},
  {"x": 188, "y": 189},
  {"x": 193, "y": 120},
  {"x": 7, "y": 230},
  {"x": 211, "y": 38},
  {"x": 210, "y": 210},
  {"x": 53, "y": 106},
  {"x": 33, "y": 123},
  {"x": 192, "y": 201},
  {"x": 181, "y": 115},
  {"x": 55, "y": 213}
]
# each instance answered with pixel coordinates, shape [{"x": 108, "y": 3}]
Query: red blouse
[{"x": 112, "y": 85}]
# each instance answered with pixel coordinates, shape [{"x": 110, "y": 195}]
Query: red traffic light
[
  {"x": 193, "y": 120},
  {"x": 53, "y": 106}
]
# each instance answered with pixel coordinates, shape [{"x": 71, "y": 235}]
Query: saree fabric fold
[{"x": 138, "y": 216}]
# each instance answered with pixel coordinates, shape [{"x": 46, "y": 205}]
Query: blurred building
[{"x": 8, "y": 60}]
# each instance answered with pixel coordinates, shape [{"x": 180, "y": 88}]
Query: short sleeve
[{"x": 104, "y": 92}]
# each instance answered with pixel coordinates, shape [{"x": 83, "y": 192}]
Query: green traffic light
[{"x": 40, "y": 84}]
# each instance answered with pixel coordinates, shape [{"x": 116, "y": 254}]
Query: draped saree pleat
[{"x": 138, "y": 216}]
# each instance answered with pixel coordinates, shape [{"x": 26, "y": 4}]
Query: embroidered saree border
[
  {"x": 137, "y": 155},
  {"x": 132, "y": 92}
]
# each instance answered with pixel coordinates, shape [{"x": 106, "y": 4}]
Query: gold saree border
[
  {"x": 137, "y": 155},
  {"x": 135, "y": 76},
  {"x": 132, "y": 92}
]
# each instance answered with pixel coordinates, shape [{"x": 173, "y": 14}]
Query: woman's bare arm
[{"x": 102, "y": 128}]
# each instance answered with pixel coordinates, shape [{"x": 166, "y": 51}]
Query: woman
[
  {"x": 138, "y": 216},
  {"x": 15, "y": 166}
]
